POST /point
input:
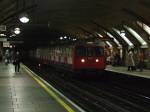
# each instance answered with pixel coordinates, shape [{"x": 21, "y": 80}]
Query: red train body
[{"x": 73, "y": 58}]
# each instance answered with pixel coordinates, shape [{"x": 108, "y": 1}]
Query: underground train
[{"x": 74, "y": 58}]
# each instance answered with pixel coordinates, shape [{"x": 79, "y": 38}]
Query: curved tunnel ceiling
[{"x": 77, "y": 17}]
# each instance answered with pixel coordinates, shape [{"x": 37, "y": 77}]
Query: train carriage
[
  {"x": 89, "y": 58},
  {"x": 73, "y": 57}
]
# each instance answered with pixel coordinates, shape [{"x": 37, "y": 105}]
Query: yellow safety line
[{"x": 50, "y": 92}]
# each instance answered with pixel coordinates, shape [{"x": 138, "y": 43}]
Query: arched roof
[{"x": 79, "y": 18}]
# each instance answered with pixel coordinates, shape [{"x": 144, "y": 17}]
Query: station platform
[
  {"x": 25, "y": 92},
  {"x": 123, "y": 70}
]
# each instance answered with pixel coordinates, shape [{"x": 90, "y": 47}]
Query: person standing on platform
[
  {"x": 141, "y": 61},
  {"x": 7, "y": 56},
  {"x": 17, "y": 60},
  {"x": 131, "y": 63}
]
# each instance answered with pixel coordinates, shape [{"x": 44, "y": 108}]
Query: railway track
[{"x": 97, "y": 96}]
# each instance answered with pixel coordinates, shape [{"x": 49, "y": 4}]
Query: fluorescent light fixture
[
  {"x": 136, "y": 35},
  {"x": 109, "y": 44},
  {"x": 123, "y": 37},
  {"x": 99, "y": 35},
  {"x": 115, "y": 40},
  {"x": 24, "y": 18},
  {"x": 144, "y": 27}
]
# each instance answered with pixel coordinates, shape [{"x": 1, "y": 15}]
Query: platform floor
[
  {"x": 21, "y": 93},
  {"x": 123, "y": 70}
]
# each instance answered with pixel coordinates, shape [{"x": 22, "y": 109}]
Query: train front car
[{"x": 89, "y": 58}]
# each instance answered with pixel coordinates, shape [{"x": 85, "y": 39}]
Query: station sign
[{"x": 2, "y": 27}]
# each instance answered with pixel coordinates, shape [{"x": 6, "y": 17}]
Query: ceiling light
[
  {"x": 24, "y": 18},
  {"x": 2, "y": 35},
  {"x": 109, "y": 44},
  {"x": 61, "y": 38},
  {"x": 74, "y": 39},
  {"x": 115, "y": 40},
  {"x": 17, "y": 31},
  {"x": 13, "y": 35},
  {"x": 17, "y": 28},
  {"x": 144, "y": 26},
  {"x": 99, "y": 35},
  {"x": 65, "y": 37}
]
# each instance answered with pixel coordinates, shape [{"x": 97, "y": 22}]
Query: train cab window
[
  {"x": 89, "y": 51},
  {"x": 81, "y": 51},
  {"x": 94, "y": 51},
  {"x": 99, "y": 51}
]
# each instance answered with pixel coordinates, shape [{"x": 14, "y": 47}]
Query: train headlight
[
  {"x": 97, "y": 60},
  {"x": 82, "y": 60}
]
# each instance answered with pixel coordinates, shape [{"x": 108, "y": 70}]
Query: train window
[
  {"x": 81, "y": 51},
  {"x": 99, "y": 51},
  {"x": 94, "y": 51},
  {"x": 89, "y": 51}
]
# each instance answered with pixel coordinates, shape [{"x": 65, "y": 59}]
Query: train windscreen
[
  {"x": 81, "y": 51},
  {"x": 89, "y": 51}
]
